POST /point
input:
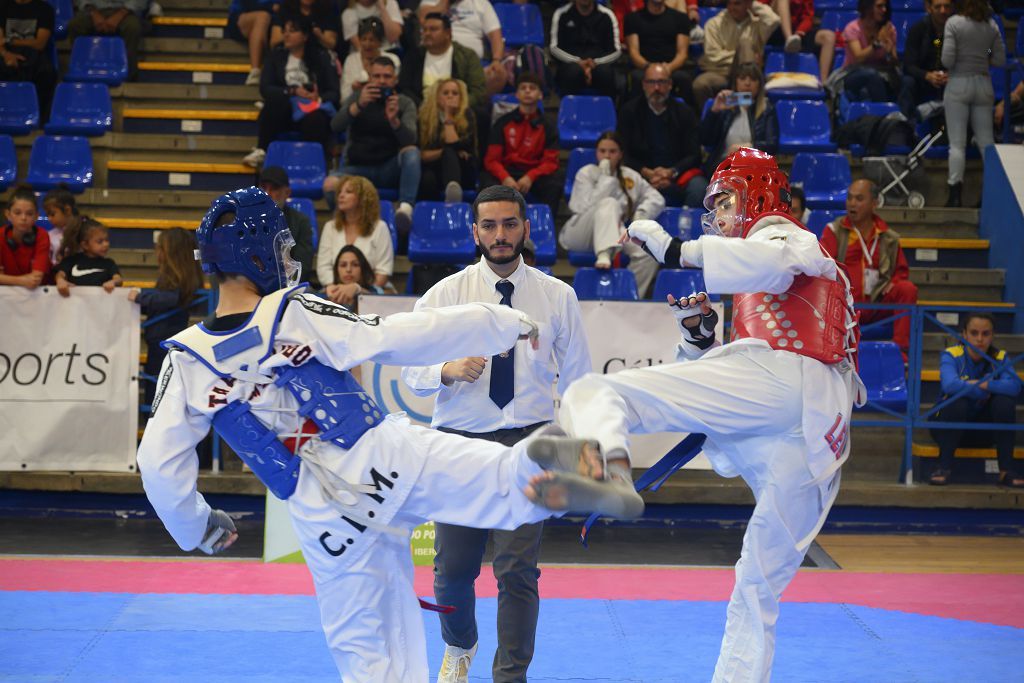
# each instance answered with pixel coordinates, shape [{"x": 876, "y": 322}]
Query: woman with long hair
[
  {"x": 357, "y": 222},
  {"x": 730, "y": 124},
  {"x": 353, "y": 276},
  {"x": 606, "y": 197},
  {"x": 447, "y": 141},
  {"x": 325, "y": 24},
  {"x": 871, "y": 58},
  {"x": 970, "y": 45}
]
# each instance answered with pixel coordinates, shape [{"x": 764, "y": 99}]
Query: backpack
[{"x": 876, "y": 133}]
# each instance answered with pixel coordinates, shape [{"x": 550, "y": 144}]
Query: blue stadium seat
[
  {"x": 582, "y": 119},
  {"x": 442, "y": 233},
  {"x": 881, "y": 368},
  {"x": 823, "y": 6},
  {"x": 304, "y": 164},
  {"x": 804, "y": 126},
  {"x": 63, "y": 11},
  {"x": 1018, "y": 48},
  {"x": 8, "y": 162},
  {"x": 615, "y": 284},
  {"x": 819, "y": 218},
  {"x": 578, "y": 158},
  {"x": 837, "y": 20},
  {"x": 305, "y": 205},
  {"x": 542, "y": 232},
  {"x": 999, "y": 82},
  {"x": 903, "y": 21},
  {"x": 903, "y": 5},
  {"x": 854, "y": 110},
  {"x": 20, "y": 111},
  {"x": 678, "y": 282},
  {"x": 98, "y": 59},
  {"x": 387, "y": 214},
  {"x": 706, "y": 13},
  {"x": 825, "y": 179},
  {"x": 800, "y": 62},
  {"x": 520, "y": 24},
  {"x": 59, "y": 159},
  {"x": 669, "y": 219},
  {"x": 81, "y": 109}
]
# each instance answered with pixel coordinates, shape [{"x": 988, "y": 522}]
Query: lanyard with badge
[{"x": 871, "y": 274}]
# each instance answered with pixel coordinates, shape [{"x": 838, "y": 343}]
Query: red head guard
[{"x": 755, "y": 176}]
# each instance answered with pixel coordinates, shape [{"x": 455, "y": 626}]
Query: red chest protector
[{"x": 809, "y": 319}]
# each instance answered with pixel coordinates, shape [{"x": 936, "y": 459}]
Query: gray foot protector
[
  {"x": 568, "y": 491},
  {"x": 564, "y": 454}
]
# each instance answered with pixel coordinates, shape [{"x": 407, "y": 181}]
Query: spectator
[
  {"x": 323, "y": 20},
  {"x": 26, "y": 27},
  {"x": 296, "y": 70},
  {"x": 62, "y": 212},
  {"x": 111, "y": 17},
  {"x": 796, "y": 32},
  {"x": 473, "y": 22},
  {"x": 357, "y": 222},
  {"x": 522, "y": 152},
  {"x": 179, "y": 277},
  {"x": 356, "y": 72},
  {"x": 798, "y": 204},
  {"x": 585, "y": 43},
  {"x": 987, "y": 400},
  {"x": 381, "y": 140},
  {"x": 387, "y": 11},
  {"x": 440, "y": 58},
  {"x": 924, "y": 77},
  {"x": 870, "y": 63},
  {"x": 735, "y": 35},
  {"x": 874, "y": 260},
  {"x": 971, "y": 44},
  {"x": 25, "y": 247},
  {"x": 353, "y": 277},
  {"x": 606, "y": 197},
  {"x": 1016, "y": 107},
  {"x": 447, "y": 141},
  {"x": 274, "y": 181},
  {"x": 658, "y": 33},
  {"x": 660, "y": 136},
  {"x": 729, "y": 125},
  {"x": 87, "y": 265},
  {"x": 249, "y": 22}
]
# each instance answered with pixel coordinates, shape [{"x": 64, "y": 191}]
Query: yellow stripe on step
[
  {"x": 966, "y": 304},
  {"x": 930, "y": 451},
  {"x": 189, "y": 21},
  {"x": 205, "y": 114},
  {"x": 195, "y": 66},
  {"x": 179, "y": 167},
  {"x": 942, "y": 243},
  {"x": 146, "y": 223}
]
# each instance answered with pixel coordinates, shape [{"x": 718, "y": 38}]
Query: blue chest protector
[{"x": 330, "y": 398}]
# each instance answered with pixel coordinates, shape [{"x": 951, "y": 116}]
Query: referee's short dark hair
[{"x": 499, "y": 193}]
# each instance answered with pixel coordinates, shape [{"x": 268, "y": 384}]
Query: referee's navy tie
[{"x": 503, "y": 365}]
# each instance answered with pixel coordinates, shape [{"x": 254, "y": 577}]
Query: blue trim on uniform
[{"x": 232, "y": 346}]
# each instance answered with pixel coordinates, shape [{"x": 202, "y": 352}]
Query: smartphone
[
  {"x": 739, "y": 99},
  {"x": 386, "y": 93}
]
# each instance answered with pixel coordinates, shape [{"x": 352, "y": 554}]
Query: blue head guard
[{"x": 245, "y": 233}]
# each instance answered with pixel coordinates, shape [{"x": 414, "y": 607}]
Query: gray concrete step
[
  {"x": 958, "y": 284},
  {"x": 141, "y": 94},
  {"x": 195, "y": 8},
  {"x": 211, "y": 49}
]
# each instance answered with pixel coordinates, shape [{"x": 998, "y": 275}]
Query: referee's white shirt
[{"x": 563, "y": 351}]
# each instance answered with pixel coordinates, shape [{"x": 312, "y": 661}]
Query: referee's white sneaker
[{"x": 455, "y": 665}]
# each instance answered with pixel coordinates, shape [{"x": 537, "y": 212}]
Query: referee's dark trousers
[{"x": 460, "y": 552}]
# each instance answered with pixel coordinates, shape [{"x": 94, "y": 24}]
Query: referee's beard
[{"x": 517, "y": 250}]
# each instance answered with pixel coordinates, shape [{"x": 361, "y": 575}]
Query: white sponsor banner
[
  {"x": 68, "y": 379},
  {"x": 620, "y": 334}
]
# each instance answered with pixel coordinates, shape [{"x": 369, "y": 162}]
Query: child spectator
[
  {"x": 87, "y": 265},
  {"x": 249, "y": 22},
  {"x": 62, "y": 212},
  {"x": 798, "y": 204},
  {"x": 25, "y": 247},
  {"x": 357, "y": 222},
  {"x": 179, "y": 276},
  {"x": 322, "y": 16},
  {"x": 387, "y": 11},
  {"x": 353, "y": 276},
  {"x": 26, "y": 27},
  {"x": 987, "y": 400},
  {"x": 871, "y": 58},
  {"x": 729, "y": 126},
  {"x": 356, "y": 71},
  {"x": 606, "y": 197},
  {"x": 447, "y": 141},
  {"x": 522, "y": 152}
]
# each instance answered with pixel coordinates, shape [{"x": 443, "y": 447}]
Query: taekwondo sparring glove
[
  {"x": 220, "y": 533},
  {"x": 655, "y": 241},
  {"x": 698, "y": 327},
  {"x": 529, "y": 330}
]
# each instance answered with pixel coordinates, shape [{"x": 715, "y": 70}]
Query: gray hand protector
[{"x": 220, "y": 533}]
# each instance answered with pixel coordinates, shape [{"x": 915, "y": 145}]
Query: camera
[{"x": 739, "y": 99}]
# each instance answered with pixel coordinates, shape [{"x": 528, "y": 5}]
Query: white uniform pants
[
  {"x": 750, "y": 406},
  {"x": 369, "y": 610},
  {"x": 598, "y": 229}
]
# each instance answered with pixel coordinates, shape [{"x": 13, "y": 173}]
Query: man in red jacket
[{"x": 873, "y": 257}]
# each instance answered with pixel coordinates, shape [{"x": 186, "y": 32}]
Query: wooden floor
[{"x": 898, "y": 553}]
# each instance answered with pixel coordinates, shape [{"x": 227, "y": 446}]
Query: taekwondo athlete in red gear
[
  {"x": 269, "y": 372},
  {"x": 775, "y": 402}
]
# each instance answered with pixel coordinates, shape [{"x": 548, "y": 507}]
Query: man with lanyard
[
  {"x": 504, "y": 399},
  {"x": 874, "y": 259}
]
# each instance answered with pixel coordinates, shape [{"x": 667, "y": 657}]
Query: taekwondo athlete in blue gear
[{"x": 269, "y": 372}]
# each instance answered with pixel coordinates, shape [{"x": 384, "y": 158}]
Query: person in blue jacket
[{"x": 989, "y": 399}]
